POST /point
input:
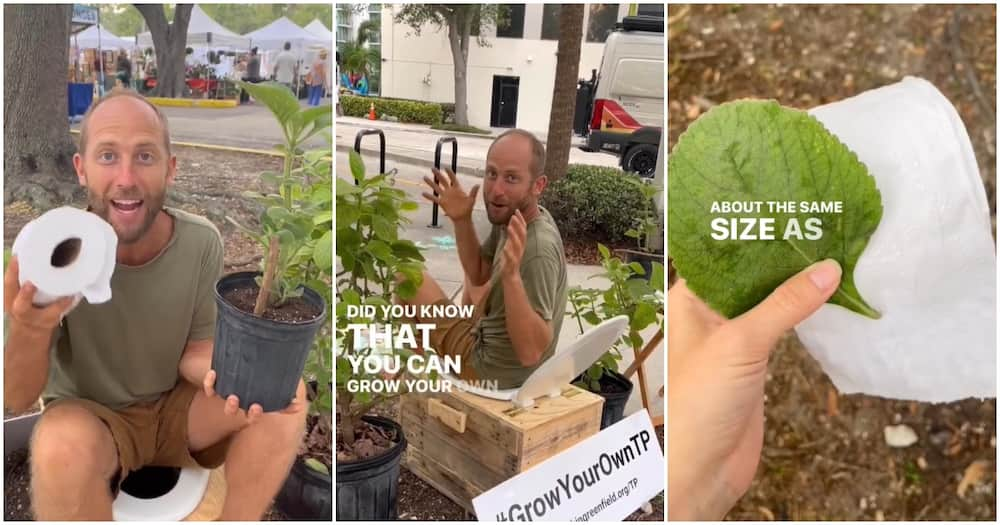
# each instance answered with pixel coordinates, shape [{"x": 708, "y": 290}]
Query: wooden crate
[{"x": 463, "y": 444}]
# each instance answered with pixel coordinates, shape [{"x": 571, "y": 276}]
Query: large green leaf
[
  {"x": 323, "y": 251},
  {"x": 751, "y": 151}
]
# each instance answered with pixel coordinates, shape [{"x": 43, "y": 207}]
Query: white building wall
[{"x": 420, "y": 67}]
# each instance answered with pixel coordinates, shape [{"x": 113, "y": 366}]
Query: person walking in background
[
  {"x": 285, "y": 66},
  {"x": 317, "y": 79},
  {"x": 252, "y": 75},
  {"x": 336, "y": 87},
  {"x": 124, "y": 73}
]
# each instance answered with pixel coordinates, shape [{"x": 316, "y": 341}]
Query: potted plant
[
  {"x": 369, "y": 447},
  {"x": 641, "y": 299},
  {"x": 267, "y": 320},
  {"x": 648, "y": 233}
]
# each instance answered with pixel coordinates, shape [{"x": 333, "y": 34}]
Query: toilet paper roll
[
  {"x": 67, "y": 252},
  {"x": 930, "y": 267}
]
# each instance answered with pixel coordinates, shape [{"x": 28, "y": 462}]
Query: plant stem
[{"x": 263, "y": 296}]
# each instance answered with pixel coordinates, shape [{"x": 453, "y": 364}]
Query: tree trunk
[
  {"x": 38, "y": 150},
  {"x": 170, "y": 43},
  {"x": 564, "y": 91},
  {"x": 458, "y": 38}
]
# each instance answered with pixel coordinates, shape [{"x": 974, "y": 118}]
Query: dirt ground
[
  {"x": 209, "y": 183},
  {"x": 825, "y": 457}
]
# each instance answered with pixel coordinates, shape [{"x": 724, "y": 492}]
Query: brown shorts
[
  {"x": 153, "y": 433},
  {"x": 454, "y": 336}
]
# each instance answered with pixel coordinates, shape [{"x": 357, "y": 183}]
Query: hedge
[
  {"x": 410, "y": 111},
  {"x": 596, "y": 203}
]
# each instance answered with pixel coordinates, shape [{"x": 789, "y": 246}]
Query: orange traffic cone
[{"x": 371, "y": 111}]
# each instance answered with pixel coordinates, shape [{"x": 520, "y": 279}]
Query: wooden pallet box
[{"x": 463, "y": 444}]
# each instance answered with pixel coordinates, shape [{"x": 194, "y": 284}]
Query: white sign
[{"x": 606, "y": 477}]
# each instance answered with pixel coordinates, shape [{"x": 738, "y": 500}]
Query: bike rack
[
  {"x": 381, "y": 146},
  {"x": 437, "y": 165}
]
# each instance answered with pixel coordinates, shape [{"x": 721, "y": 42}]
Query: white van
[{"x": 621, "y": 108}]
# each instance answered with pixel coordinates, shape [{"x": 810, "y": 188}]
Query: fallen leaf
[
  {"x": 776, "y": 25},
  {"x": 768, "y": 515},
  {"x": 693, "y": 111},
  {"x": 832, "y": 408},
  {"x": 974, "y": 474},
  {"x": 899, "y": 436}
]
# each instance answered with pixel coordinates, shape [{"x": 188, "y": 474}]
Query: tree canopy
[{"x": 124, "y": 19}]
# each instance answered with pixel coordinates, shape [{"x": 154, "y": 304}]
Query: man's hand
[
  {"x": 232, "y": 406},
  {"x": 17, "y": 302},
  {"x": 513, "y": 249},
  {"x": 457, "y": 205}
]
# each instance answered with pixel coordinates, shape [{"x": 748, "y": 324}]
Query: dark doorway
[{"x": 503, "y": 113}]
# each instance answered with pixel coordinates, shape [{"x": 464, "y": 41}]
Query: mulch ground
[{"x": 825, "y": 457}]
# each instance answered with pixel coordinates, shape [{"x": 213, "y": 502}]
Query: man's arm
[
  {"x": 196, "y": 361},
  {"x": 476, "y": 267},
  {"x": 29, "y": 335},
  {"x": 529, "y": 333},
  {"x": 25, "y": 367}
]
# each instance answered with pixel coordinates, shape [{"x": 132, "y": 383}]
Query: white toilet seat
[{"x": 172, "y": 506}]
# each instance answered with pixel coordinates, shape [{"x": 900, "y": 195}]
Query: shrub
[
  {"x": 596, "y": 203},
  {"x": 406, "y": 110},
  {"x": 462, "y": 129}
]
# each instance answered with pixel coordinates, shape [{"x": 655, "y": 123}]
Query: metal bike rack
[
  {"x": 437, "y": 165},
  {"x": 381, "y": 146}
]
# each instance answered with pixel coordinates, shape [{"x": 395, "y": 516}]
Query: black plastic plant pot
[
  {"x": 368, "y": 489},
  {"x": 306, "y": 494},
  {"x": 614, "y": 402},
  {"x": 260, "y": 360}
]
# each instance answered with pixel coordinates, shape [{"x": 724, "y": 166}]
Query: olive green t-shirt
[
  {"x": 543, "y": 272},
  {"x": 128, "y": 349}
]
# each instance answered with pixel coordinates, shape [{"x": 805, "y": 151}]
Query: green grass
[{"x": 462, "y": 129}]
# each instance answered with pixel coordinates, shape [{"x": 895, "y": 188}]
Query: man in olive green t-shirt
[
  {"x": 128, "y": 383},
  {"x": 521, "y": 265}
]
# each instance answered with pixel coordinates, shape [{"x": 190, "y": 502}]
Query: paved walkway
[
  {"x": 248, "y": 126},
  {"x": 414, "y": 144}
]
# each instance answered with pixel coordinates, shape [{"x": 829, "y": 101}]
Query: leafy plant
[
  {"x": 597, "y": 203},
  {"x": 758, "y": 151},
  {"x": 411, "y": 111},
  {"x": 377, "y": 265},
  {"x": 627, "y": 294},
  {"x": 298, "y": 213},
  {"x": 646, "y": 225}
]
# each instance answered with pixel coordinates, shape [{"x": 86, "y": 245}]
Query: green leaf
[
  {"x": 644, "y": 315},
  {"x": 605, "y": 253},
  {"x": 346, "y": 188},
  {"x": 357, "y": 167},
  {"x": 758, "y": 151},
  {"x": 323, "y": 252}
]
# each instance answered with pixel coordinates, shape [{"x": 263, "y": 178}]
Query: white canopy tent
[
  {"x": 88, "y": 39},
  {"x": 274, "y": 35},
  {"x": 317, "y": 28},
  {"x": 203, "y": 31}
]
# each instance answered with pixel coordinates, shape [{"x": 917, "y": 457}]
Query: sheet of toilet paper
[
  {"x": 86, "y": 275},
  {"x": 930, "y": 267}
]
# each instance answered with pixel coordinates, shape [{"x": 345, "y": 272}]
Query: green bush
[
  {"x": 406, "y": 110},
  {"x": 462, "y": 129},
  {"x": 596, "y": 203}
]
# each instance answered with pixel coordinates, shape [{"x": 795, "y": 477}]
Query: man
[
  {"x": 128, "y": 383},
  {"x": 521, "y": 266},
  {"x": 252, "y": 76},
  {"x": 285, "y": 67}
]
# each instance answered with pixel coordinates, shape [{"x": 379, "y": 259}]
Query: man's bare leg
[
  {"x": 259, "y": 456},
  {"x": 429, "y": 292},
  {"x": 73, "y": 458}
]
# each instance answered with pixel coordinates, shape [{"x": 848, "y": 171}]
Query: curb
[
  {"x": 402, "y": 126},
  {"x": 192, "y": 103},
  {"x": 413, "y": 161}
]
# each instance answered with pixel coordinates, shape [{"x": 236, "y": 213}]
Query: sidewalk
[{"x": 415, "y": 143}]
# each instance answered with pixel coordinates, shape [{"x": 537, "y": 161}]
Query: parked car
[{"x": 620, "y": 109}]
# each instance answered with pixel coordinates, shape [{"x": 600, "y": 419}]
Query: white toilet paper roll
[
  {"x": 930, "y": 267},
  {"x": 67, "y": 252}
]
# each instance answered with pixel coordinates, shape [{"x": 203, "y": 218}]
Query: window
[
  {"x": 650, "y": 10},
  {"x": 550, "y": 21},
  {"x": 602, "y": 21},
  {"x": 515, "y": 21}
]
